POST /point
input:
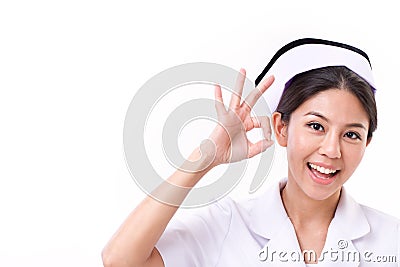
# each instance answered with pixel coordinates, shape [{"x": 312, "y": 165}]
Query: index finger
[
  {"x": 255, "y": 94},
  {"x": 237, "y": 94}
]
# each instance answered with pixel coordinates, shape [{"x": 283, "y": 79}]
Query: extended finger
[
  {"x": 256, "y": 93},
  {"x": 259, "y": 147},
  {"x": 219, "y": 102},
  {"x": 238, "y": 90}
]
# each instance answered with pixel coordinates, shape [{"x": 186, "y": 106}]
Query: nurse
[{"x": 322, "y": 93}]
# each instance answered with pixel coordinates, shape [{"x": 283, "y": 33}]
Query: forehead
[{"x": 335, "y": 104}]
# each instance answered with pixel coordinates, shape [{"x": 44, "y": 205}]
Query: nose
[{"x": 330, "y": 146}]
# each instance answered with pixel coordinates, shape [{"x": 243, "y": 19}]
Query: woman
[{"x": 325, "y": 116}]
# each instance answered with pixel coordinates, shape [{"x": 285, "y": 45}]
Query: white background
[{"x": 69, "y": 69}]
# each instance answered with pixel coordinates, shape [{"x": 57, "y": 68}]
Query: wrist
[
  {"x": 201, "y": 160},
  {"x": 192, "y": 170}
]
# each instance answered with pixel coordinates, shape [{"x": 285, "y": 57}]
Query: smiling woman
[
  {"x": 326, "y": 127},
  {"x": 325, "y": 116}
]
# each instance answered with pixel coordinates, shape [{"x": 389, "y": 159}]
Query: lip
[
  {"x": 326, "y": 166},
  {"x": 320, "y": 180}
]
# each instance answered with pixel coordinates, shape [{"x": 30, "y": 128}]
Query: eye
[
  {"x": 352, "y": 135},
  {"x": 316, "y": 126}
]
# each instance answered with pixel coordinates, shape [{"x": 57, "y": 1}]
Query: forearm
[{"x": 133, "y": 243}]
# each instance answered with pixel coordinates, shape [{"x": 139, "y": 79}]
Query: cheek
[
  {"x": 299, "y": 147},
  {"x": 353, "y": 156},
  {"x": 299, "y": 142}
]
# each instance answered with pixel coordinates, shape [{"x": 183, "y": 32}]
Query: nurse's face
[{"x": 326, "y": 138}]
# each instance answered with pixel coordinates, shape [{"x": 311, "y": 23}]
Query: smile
[
  {"x": 322, "y": 169},
  {"x": 322, "y": 175}
]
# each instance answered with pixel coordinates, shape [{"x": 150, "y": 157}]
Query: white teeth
[{"x": 322, "y": 169}]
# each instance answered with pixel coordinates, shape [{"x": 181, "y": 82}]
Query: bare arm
[{"x": 134, "y": 242}]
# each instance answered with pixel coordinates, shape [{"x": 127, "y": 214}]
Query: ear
[{"x": 280, "y": 128}]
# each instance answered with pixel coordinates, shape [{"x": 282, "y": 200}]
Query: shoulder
[
  {"x": 228, "y": 209},
  {"x": 361, "y": 219},
  {"x": 229, "y": 212},
  {"x": 383, "y": 236},
  {"x": 378, "y": 218},
  {"x": 215, "y": 211}
]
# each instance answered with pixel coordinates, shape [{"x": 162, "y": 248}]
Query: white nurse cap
[{"x": 307, "y": 54}]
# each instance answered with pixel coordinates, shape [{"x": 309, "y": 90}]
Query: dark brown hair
[{"x": 305, "y": 85}]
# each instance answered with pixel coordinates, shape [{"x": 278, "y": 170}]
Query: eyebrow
[{"x": 314, "y": 113}]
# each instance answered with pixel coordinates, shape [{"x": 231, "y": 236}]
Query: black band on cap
[{"x": 305, "y": 41}]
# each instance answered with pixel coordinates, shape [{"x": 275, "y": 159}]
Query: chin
[
  {"x": 319, "y": 196},
  {"x": 321, "y": 193}
]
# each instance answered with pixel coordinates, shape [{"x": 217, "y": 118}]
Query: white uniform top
[{"x": 258, "y": 232}]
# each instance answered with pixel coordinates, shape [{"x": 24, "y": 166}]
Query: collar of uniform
[
  {"x": 349, "y": 218},
  {"x": 268, "y": 215}
]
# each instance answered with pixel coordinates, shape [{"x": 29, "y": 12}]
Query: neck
[{"x": 302, "y": 209}]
